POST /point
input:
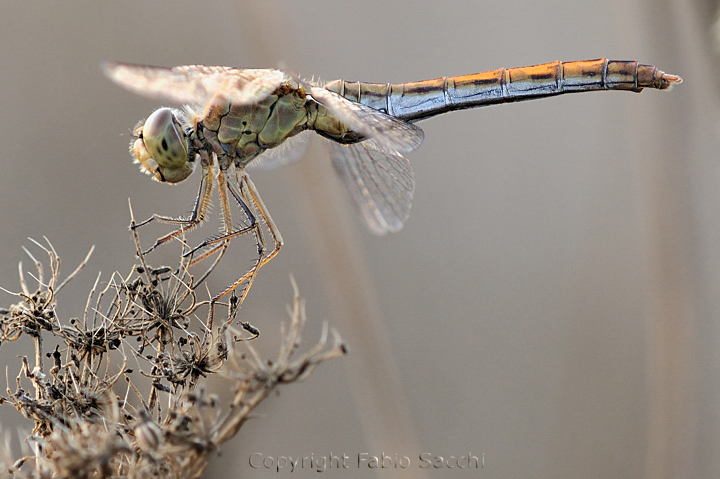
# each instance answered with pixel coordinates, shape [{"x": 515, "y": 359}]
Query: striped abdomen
[{"x": 417, "y": 100}]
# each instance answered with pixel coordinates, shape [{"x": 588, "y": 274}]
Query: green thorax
[{"x": 243, "y": 131}]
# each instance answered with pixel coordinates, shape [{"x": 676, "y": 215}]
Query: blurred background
[{"x": 553, "y": 302}]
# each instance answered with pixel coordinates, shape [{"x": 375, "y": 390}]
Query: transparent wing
[
  {"x": 388, "y": 132},
  {"x": 195, "y": 84},
  {"x": 289, "y": 151},
  {"x": 381, "y": 183}
]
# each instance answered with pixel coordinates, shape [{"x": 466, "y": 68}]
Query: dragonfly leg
[
  {"x": 274, "y": 231},
  {"x": 220, "y": 242},
  {"x": 228, "y": 181},
  {"x": 227, "y": 228},
  {"x": 247, "y": 193},
  {"x": 202, "y": 202}
]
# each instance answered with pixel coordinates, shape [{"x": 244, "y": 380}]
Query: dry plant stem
[
  {"x": 257, "y": 377},
  {"x": 54, "y": 260},
  {"x": 85, "y": 423},
  {"x": 185, "y": 263}
]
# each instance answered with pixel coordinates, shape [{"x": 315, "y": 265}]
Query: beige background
[{"x": 554, "y": 300}]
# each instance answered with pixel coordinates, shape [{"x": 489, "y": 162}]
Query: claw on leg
[
  {"x": 202, "y": 202},
  {"x": 246, "y": 193},
  {"x": 246, "y": 196}
]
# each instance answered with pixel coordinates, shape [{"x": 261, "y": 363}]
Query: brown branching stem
[{"x": 90, "y": 417}]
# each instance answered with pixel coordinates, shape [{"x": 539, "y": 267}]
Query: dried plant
[{"x": 119, "y": 392}]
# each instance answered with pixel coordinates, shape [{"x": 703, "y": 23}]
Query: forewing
[
  {"x": 381, "y": 183},
  {"x": 388, "y": 132},
  {"x": 289, "y": 151},
  {"x": 195, "y": 84}
]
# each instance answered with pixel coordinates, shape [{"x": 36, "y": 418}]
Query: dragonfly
[{"x": 235, "y": 117}]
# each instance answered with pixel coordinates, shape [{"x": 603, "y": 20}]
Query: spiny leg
[
  {"x": 248, "y": 194},
  {"x": 274, "y": 231},
  {"x": 202, "y": 202},
  {"x": 227, "y": 222},
  {"x": 227, "y": 181},
  {"x": 228, "y": 231},
  {"x": 221, "y": 242},
  {"x": 239, "y": 190}
]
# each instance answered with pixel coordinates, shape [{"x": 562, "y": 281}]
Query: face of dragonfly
[{"x": 161, "y": 147}]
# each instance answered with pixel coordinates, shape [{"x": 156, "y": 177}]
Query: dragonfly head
[{"x": 161, "y": 147}]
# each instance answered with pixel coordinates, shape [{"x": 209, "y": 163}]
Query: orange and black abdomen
[{"x": 418, "y": 100}]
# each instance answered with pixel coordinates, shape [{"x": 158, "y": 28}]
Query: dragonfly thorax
[
  {"x": 241, "y": 131},
  {"x": 161, "y": 147}
]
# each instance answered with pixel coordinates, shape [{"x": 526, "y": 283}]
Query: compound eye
[{"x": 165, "y": 139}]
